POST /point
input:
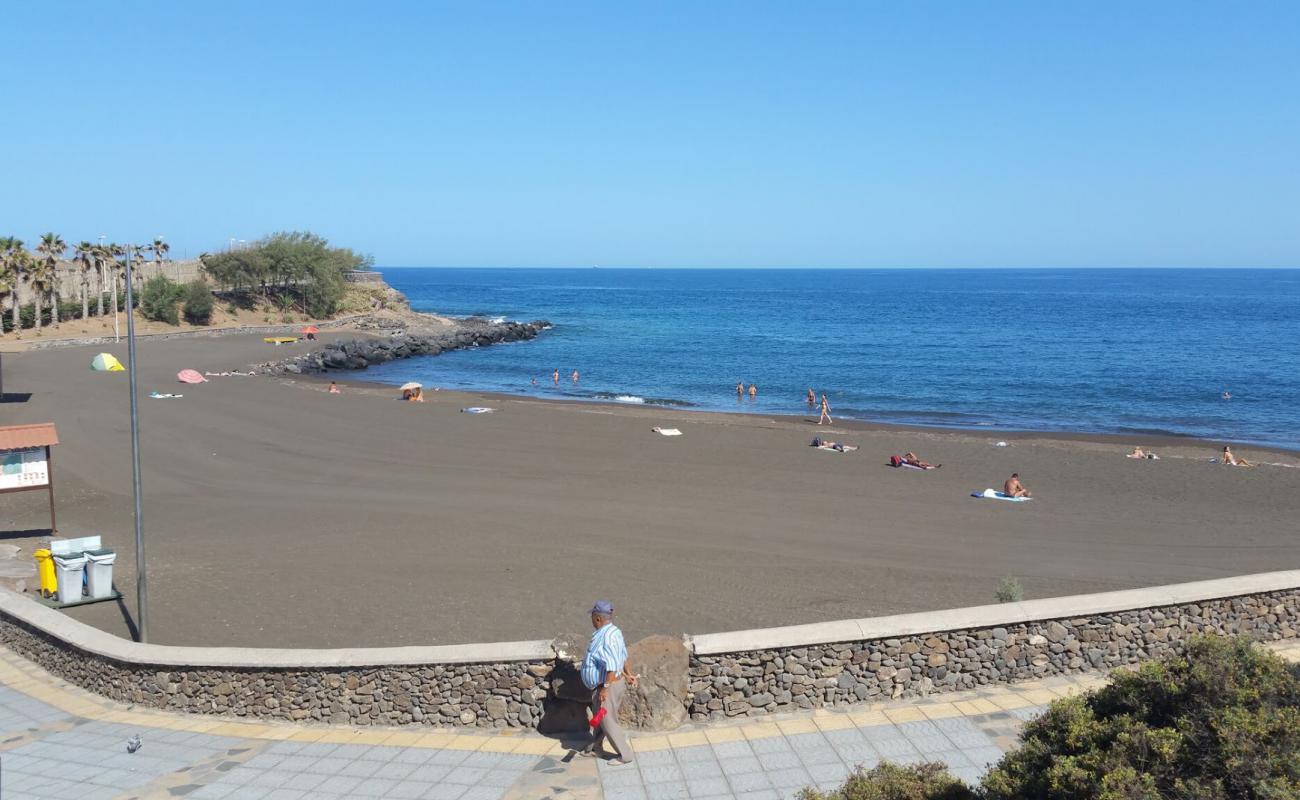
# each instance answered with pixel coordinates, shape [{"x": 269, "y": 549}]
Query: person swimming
[
  {"x": 812, "y": 398},
  {"x": 753, "y": 391}
]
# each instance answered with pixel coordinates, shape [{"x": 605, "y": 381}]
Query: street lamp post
[{"x": 141, "y": 587}]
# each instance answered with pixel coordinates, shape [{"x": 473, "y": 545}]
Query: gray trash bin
[
  {"x": 69, "y": 569},
  {"x": 99, "y": 573}
]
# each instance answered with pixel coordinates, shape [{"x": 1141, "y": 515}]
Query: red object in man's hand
[{"x": 597, "y": 717}]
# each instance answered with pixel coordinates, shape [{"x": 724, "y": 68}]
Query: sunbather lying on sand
[
  {"x": 823, "y": 444},
  {"x": 912, "y": 459}
]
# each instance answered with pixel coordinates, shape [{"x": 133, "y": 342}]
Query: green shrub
[
  {"x": 892, "y": 782},
  {"x": 159, "y": 300},
  {"x": 1221, "y": 722},
  {"x": 1009, "y": 591},
  {"x": 199, "y": 303}
]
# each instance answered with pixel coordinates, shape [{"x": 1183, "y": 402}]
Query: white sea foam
[{"x": 628, "y": 398}]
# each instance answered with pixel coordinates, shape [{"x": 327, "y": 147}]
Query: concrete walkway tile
[
  {"x": 749, "y": 782},
  {"x": 542, "y": 747},
  {"x": 894, "y": 749},
  {"x": 687, "y": 739},
  {"x": 724, "y": 734},
  {"x": 1008, "y": 701},
  {"x": 661, "y": 773},
  {"x": 708, "y": 787},
  {"x": 696, "y": 753},
  {"x": 656, "y": 757},
  {"x": 625, "y": 793},
  {"x": 792, "y": 778},
  {"x": 864, "y": 719},
  {"x": 741, "y": 765},
  {"x": 833, "y": 722},
  {"x": 758, "y": 794},
  {"x": 761, "y": 730},
  {"x": 939, "y": 711},
  {"x": 983, "y": 756},
  {"x": 1039, "y": 697},
  {"x": 953, "y": 758},
  {"x": 733, "y": 749},
  {"x": 796, "y": 725},
  {"x": 701, "y": 770},
  {"x": 667, "y": 791},
  {"x": 649, "y": 744},
  {"x": 905, "y": 714},
  {"x": 769, "y": 746}
]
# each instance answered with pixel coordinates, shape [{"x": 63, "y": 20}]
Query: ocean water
[{"x": 1115, "y": 351}]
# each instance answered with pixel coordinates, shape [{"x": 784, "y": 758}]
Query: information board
[{"x": 27, "y": 468}]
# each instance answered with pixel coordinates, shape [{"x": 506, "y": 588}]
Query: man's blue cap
[{"x": 602, "y": 607}]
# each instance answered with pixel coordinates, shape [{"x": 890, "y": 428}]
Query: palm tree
[
  {"x": 40, "y": 275},
  {"x": 52, "y": 248},
  {"x": 101, "y": 254},
  {"x": 8, "y": 278},
  {"x": 84, "y": 255},
  {"x": 10, "y": 248},
  {"x": 160, "y": 249}
]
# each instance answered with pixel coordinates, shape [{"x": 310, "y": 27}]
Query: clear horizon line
[{"x": 843, "y": 268}]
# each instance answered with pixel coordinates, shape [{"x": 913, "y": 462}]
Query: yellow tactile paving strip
[{"x": 21, "y": 675}]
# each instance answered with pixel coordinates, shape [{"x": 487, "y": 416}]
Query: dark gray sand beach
[{"x": 279, "y": 515}]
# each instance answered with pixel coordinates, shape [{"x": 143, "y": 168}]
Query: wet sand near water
[{"x": 279, "y": 515}]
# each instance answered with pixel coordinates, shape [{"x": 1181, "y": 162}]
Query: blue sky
[{"x": 665, "y": 134}]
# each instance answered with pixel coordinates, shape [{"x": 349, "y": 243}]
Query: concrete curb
[
  {"x": 94, "y": 641},
  {"x": 852, "y": 630}
]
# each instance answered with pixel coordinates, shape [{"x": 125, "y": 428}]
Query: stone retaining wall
[
  {"x": 741, "y": 673},
  {"x": 757, "y": 682},
  {"x": 503, "y": 695}
]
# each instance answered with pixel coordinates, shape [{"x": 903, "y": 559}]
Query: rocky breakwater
[{"x": 359, "y": 353}]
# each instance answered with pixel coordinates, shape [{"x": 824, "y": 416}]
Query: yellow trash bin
[{"x": 45, "y": 569}]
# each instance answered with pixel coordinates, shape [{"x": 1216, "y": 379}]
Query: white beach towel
[
  {"x": 161, "y": 396},
  {"x": 992, "y": 494},
  {"x": 667, "y": 431},
  {"x": 848, "y": 448},
  {"x": 477, "y": 410}
]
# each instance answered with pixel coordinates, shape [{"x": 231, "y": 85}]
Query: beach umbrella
[
  {"x": 410, "y": 387},
  {"x": 311, "y": 329}
]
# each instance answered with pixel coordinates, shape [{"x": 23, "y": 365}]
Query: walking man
[{"x": 605, "y": 673}]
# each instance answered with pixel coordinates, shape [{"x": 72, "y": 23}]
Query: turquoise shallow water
[{"x": 1082, "y": 350}]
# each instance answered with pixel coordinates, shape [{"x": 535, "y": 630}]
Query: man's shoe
[{"x": 620, "y": 762}]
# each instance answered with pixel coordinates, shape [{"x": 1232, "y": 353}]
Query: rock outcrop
[{"x": 658, "y": 701}]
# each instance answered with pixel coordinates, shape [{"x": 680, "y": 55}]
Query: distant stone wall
[
  {"x": 766, "y": 681},
  {"x": 363, "y": 276}
]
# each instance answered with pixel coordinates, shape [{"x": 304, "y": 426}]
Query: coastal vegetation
[
  {"x": 1222, "y": 721},
  {"x": 288, "y": 271},
  {"x": 278, "y": 276},
  {"x": 100, "y": 270}
]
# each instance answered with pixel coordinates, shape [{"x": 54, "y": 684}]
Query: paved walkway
[{"x": 57, "y": 741}]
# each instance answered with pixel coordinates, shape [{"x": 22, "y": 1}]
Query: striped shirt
[{"x": 606, "y": 652}]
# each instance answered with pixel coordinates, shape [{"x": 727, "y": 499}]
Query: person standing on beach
[
  {"x": 556, "y": 377},
  {"x": 826, "y": 411},
  {"x": 605, "y": 674}
]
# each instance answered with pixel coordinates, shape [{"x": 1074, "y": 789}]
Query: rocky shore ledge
[{"x": 401, "y": 341}]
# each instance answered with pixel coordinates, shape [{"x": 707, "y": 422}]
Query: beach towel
[
  {"x": 190, "y": 376},
  {"x": 161, "y": 396},
  {"x": 991, "y": 494},
  {"x": 905, "y": 465},
  {"x": 477, "y": 410},
  {"x": 667, "y": 431}
]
